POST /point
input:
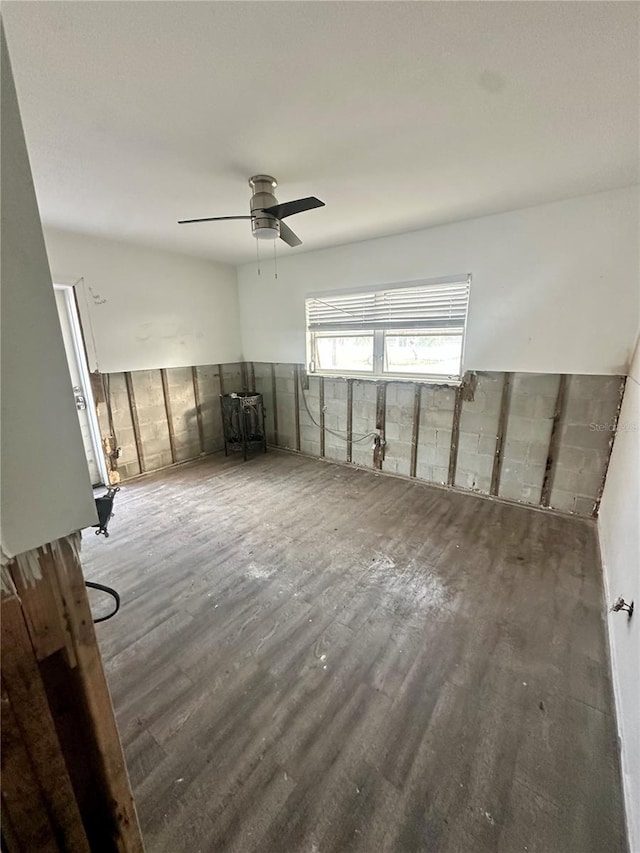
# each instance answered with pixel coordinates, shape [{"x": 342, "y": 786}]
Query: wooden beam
[
  {"x": 381, "y": 411},
  {"x": 455, "y": 435},
  {"x": 554, "y": 442},
  {"x": 252, "y": 376},
  {"x": 244, "y": 374},
  {"x": 196, "y": 397},
  {"x": 221, "y": 379},
  {"x": 502, "y": 428},
  {"x": 133, "y": 410},
  {"x": 169, "y": 414},
  {"x": 349, "y": 420},
  {"x": 321, "y": 405},
  {"x": 28, "y": 699},
  {"x": 296, "y": 387},
  {"x": 274, "y": 403},
  {"x": 109, "y": 757},
  {"x": 415, "y": 428}
]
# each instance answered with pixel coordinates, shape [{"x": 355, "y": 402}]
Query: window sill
[{"x": 421, "y": 379}]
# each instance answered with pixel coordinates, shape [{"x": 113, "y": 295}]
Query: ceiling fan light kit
[{"x": 266, "y": 213}]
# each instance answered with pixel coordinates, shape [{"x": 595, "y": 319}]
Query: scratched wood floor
[{"x": 315, "y": 659}]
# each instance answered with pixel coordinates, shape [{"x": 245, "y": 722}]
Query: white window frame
[{"x": 379, "y": 370}]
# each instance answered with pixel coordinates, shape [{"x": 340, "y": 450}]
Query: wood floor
[{"x": 312, "y": 658}]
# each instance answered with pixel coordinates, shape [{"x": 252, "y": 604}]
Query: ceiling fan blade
[
  {"x": 291, "y": 207},
  {"x": 212, "y": 219},
  {"x": 288, "y": 236}
]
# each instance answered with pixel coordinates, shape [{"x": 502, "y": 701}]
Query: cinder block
[
  {"x": 536, "y": 384},
  {"x": 468, "y": 443},
  {"x": 487, "y": 444},
  {"x": 444, "y": 398},
  {"x": 440, "y": 474}
]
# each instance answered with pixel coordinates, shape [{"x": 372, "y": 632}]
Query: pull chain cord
[
  {"x": 275, "y": 260},
  {"x": 258, "y": 254}
]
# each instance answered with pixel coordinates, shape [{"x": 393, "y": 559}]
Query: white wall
[
  {"x": 555, "y": 287},
  {"x": 45, "y": 488},
  {"x": 144, "y": 308},
  {"x": 619, "y": 528}
]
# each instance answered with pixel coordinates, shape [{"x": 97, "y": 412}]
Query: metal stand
[{"x": 243, "y": 422}]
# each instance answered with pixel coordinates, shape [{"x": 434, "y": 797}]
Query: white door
[{"x": 80, "y": 381}]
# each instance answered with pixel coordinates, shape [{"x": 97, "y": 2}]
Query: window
[{"x": 405, "y": 331}]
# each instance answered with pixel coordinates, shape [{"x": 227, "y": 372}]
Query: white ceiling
[{"x": 398, "y": 115}]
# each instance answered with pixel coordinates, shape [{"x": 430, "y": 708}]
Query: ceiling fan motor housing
[{"x": 264, "y": 226}]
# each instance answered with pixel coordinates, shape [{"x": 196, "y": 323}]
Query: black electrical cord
[{"x": 110, "y": 592}]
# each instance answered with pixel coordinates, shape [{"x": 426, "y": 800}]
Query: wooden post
[
  {"x": 381, "y": 412},
  {"x": 296, "y": 388},
  {"x": 168, "y": 413},
  {"x": 196, "y": 397},
  {"x": 64, "y": 781},
  {"x": 554, "y": 442},
  {"x": 502, "y": 428},
  {"x": 274, "y": 403},
  {"x": 415, "y": 432},
  {"x": 455, "y": 436},
  {"x": 349, "y": 420},
  {"x": 321, "y": 405}
]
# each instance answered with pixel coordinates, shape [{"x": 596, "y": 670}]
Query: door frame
[{"x": 80, "y": 352}]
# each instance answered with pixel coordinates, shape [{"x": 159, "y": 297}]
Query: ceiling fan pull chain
[
  {"x": 275, "y": 260},
  {"x": 258, "y": 254}
]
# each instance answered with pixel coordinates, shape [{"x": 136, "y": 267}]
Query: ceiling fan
[{"x": 266, "y": 214}]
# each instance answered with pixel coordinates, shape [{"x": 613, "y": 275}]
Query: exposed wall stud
[
  {"x": 221, "y": 379},
  {"x": 321, "y": 404},
  {"x": 455, "y": 435},
  {"x": 296, "y": 388},
  {"x": 415, "y": 429},
  {"x": 349, "y": 420},
  {"x": 167, "y": 409},
  {"x": 502, "y": 428},
  {"x": 596, "y": 506},
  {"x": 196, "y": 397},
  {"x": 274, "y": 397},
  {"x": 252, "y": 376},
  {"x": 134, "y": 420},
  {"x": 554, "y": 442},
  {"x": 381, "y": 409},
  {"x": 244, "y": 373}
]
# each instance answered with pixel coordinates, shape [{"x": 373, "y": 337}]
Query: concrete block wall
[
  {"x": 523, "y": 430},
  {"x": 586, "y": 436},
  {"x": 437, "y": 403},
  {"x": 479, "y": 419},
  {"x": 335, "y": 419},
  {"x": 196, "y": 429},
  {"x": 528, "y": 435}
]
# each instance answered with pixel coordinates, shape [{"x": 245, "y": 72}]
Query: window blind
[{"x": 437, "y": 307}]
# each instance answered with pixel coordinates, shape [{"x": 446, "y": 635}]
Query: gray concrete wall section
[
  {"x": 584, "y": 430},
  {"x": 232, "y": 379},
  {"x": 527, "y": 436},
  {"x": 335, "y": 419},
  {"x": 128, "y": 461},
  {"x": 478, "y": 432},
  {"x": 364, "y": 421},
  {"x": 585, "y": 435},
  {"x": 264, "y": 385},
  {"x": 285, "y": 399},
  {"x": 434, "y": 436},
  {"x": 152, "y": 417},
  {"x": 577, "y": 471},
  {"x": 309, "y": 431},
  {"x": 398, "y": 428},
  {"x": 208, "y": 376}
]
